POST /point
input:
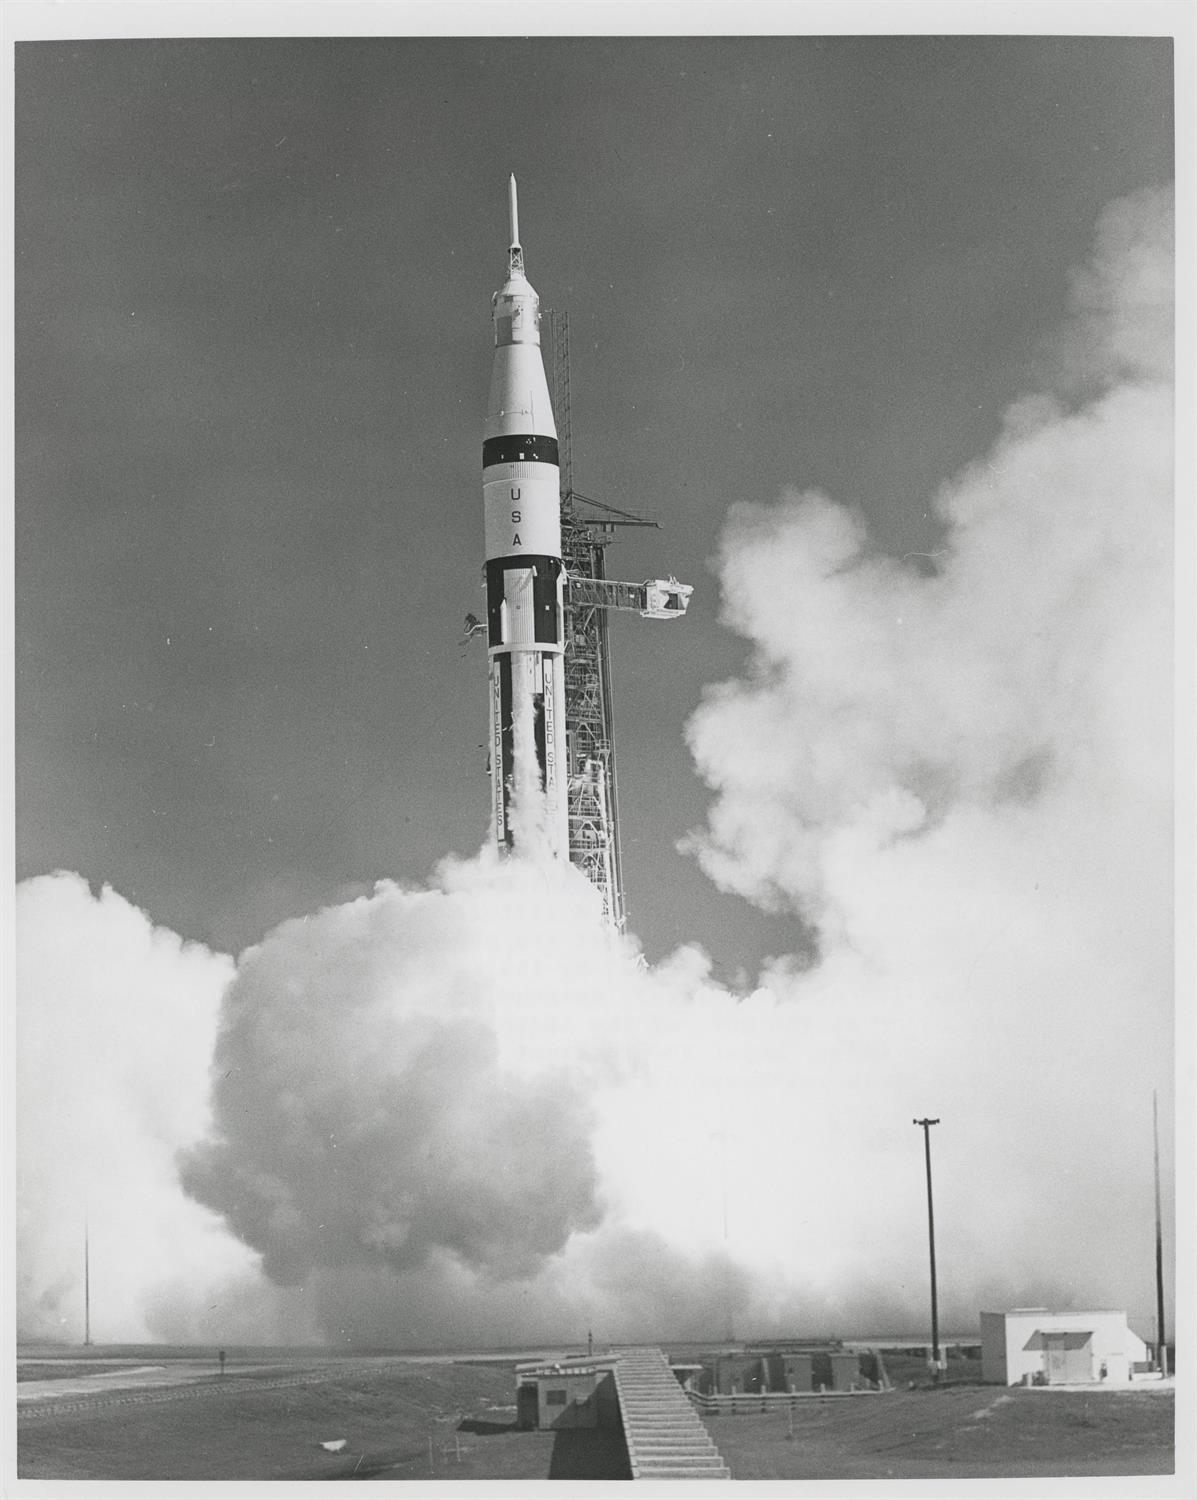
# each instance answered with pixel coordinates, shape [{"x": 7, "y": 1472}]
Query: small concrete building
[
  {"x": 739, "y": 1374},
  {"x": 797, "y": 1372},
  {"x": 794, "y": 1368},
  {"x": 567, "y": 1393},
  {"x": 819, "y": 1370},
  {"x": 843, "y": 1370},
  {"x": 1032, "y": 1346}
]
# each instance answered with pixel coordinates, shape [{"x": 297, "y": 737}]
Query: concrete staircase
[{"x": 665, "y": 1435}]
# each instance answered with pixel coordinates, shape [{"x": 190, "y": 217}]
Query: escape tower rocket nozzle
[{"x": 515, "y": 254}]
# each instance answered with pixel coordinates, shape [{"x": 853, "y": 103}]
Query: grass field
[
  {"x": 455, "y": 1421},
  {"x": 399, "y": 1420},
  {"x": 961, "y": 1432},
  {"x": 907, "y": 1369}
]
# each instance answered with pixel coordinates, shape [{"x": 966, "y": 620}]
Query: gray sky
[{"x": 252, "y": 288}]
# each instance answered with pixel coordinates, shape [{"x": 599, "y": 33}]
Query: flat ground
[
  {"x": 176, "y": 1418},
  {"x": 960, "y": 1432},
  {"x": 398, "y": 1419}
]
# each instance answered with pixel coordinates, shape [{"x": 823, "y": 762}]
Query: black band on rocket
[{"x": 519, "y": 448}]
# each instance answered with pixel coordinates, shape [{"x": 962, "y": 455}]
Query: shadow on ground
[
  {"x": 482, "y": 1428},
  {"x": 589, "y": 1453}
]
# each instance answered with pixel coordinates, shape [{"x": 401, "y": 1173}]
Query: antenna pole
[
  {"x": 86, "y": 1285},
  {"x": 1161, "y": 1335},
  {"x": 926, "y": 1128}
]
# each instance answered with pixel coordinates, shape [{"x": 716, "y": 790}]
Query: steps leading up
[{"x": 664, "y": 1434}]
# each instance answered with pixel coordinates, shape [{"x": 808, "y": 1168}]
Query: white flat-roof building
[{"x": 1033, "y": 1345}]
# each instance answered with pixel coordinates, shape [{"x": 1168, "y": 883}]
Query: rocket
[{"x": 524, "y": 577}]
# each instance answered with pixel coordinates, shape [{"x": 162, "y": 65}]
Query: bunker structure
[
  {"x": 631, "y": 1389},
  {"x": 797, "y": 1368},
  {"x": 1032, "y": 1346}
]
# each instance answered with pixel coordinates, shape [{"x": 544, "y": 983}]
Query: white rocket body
[{"x": 524, "y": 584}]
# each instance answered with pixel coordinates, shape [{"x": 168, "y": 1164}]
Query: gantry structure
[{"x": 587, "y": 529}]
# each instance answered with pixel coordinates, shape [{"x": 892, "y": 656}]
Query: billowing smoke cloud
[
  {"x": 466, "y": 1115},
  {"x": 376, "y": 1098},
  {"x": 964, "y": 780},
  {"x": 1034, "y": 666},
  {"x": 115, "y": 1025}
]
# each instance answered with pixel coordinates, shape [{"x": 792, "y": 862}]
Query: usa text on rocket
[{"x": 524, "y": 577}]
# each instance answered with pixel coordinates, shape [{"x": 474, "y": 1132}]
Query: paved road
[{"x": 149, "y": 1384}]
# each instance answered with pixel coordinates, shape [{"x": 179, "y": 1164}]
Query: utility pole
[
  {"x": 926, "y": 1128},
  {"x": 86, "y": 1285},
  {"x": 1161, "y": 1345}
]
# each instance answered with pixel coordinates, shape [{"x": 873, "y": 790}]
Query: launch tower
[{"x": 587, "y": 528}]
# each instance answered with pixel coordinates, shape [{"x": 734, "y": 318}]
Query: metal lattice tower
[
  {"x": 592, "y": 795},
  {"x": 590, "y": 738}
]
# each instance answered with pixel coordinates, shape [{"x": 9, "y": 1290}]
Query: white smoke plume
[
  {"x": 467, "y": 1115},
  {"x": 964, "y": 780},
  {"x": 408, "y": 1074},
  {"x": 115, "y": 1026}
]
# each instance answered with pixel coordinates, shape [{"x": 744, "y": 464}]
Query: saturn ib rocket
[{"x": 524, "y": 578}]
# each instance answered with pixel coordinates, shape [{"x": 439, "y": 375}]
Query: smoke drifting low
[
  {"x": 466, "y": 1115},
  {"x": 116, "y": 1021}
]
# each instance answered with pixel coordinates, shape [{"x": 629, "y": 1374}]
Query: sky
[
  {"x": 879, "y": 331},
  {"x": 254, "y": 286}
]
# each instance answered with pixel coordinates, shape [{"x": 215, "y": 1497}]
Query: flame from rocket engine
[{"x": 529, "y": 812}]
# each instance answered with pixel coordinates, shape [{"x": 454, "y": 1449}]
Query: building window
[{"x": 555, "y": 1398}]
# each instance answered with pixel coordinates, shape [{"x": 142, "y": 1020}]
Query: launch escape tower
[{"x": 593, "y": 798}]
